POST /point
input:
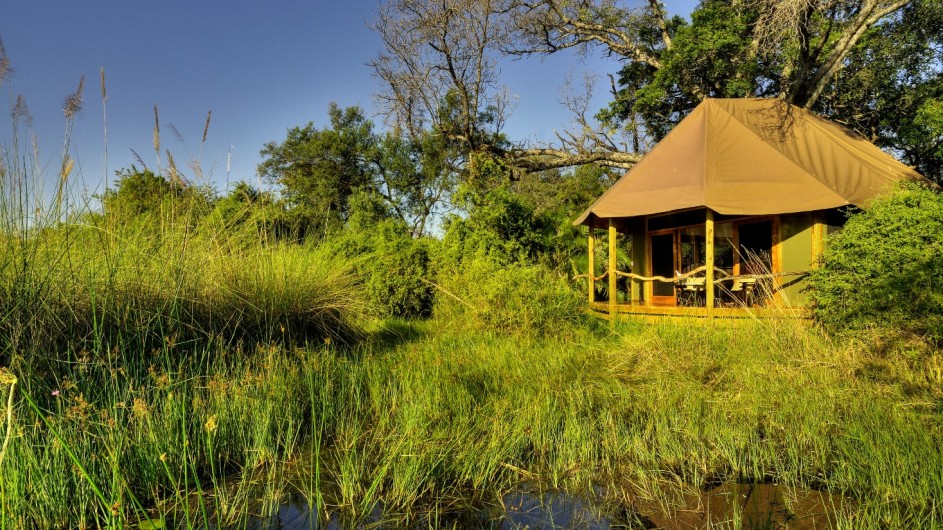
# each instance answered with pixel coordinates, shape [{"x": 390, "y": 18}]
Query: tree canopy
[
  {"x": 873, "y": 65},
  {"x": 322, "y": 170}
]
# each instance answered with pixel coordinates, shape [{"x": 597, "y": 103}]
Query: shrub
[
  {"x": 393, "y": 265},
  {"x": 883, "y": 270},
  {"x": 501, "y": 225},
  {"x": 397, "y": 284},
  {"x": 515, "y": 298}
]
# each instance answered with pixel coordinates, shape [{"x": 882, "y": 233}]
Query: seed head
[
  {"x": 73, "y": 102},
  {"x": 5, "y": 70}
]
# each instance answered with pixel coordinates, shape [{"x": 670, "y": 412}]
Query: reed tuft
[{"x": 73, "y": 102}]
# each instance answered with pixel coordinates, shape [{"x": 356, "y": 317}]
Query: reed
[
  {"x": 174, "y": 373},
  {"x": 410, "y": 422}
]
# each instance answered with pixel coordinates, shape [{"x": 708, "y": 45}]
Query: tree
[
  {"x": 139, "y": 193},
  {"x": 806, "y": 52},
  {"x": 439, "y": 67},
  {"x": 891, "y": 89},
  {"x": 321, "y": 170}
]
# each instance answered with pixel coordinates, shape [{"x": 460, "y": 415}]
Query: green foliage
[
  {"x": 399, "y": 282},
  {"x": 500, "y": 225},
  {"x": 320, "y": 171},
  {"x": 557, "y": 198},
  {"x": 80, "y": 287},
  {"x": 891, "y": 90},
  {"x": 883, "y": 269},
  {"x": 517, "y": 298},
  {"x": 394, "y": 266},
  {"x": 708, "y": 57},
  {"x": 142, "y": 194},
  {"x": 253, "y": 216}
]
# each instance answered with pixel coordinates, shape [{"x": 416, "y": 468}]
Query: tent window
[
  {"x": 756, "y": 245},
  {"x": 663, "y": 263},
  {"x": 723, "y": 247},
  {"x": 693, "y": 248}
]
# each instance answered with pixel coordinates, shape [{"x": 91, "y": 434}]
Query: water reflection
[
  {"x": 552, "y": 510},
  {"x": 518, "y": 509},
  {"x": 727, "y": 505}
]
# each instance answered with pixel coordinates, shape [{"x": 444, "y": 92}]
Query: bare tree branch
[
  {"x": 548, "y": 26},
  {"x": 440, "y": 68},
  {"x": 540, "y": 159}
]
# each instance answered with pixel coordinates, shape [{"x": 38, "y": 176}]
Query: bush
[
  {"x": 500, "y": 225},
  {"x": 516, "y": 298},
  {"x": 884, "y": 269},
  {"x": 397, "y": 283},
  {"x": 393, "y": 265},
  {"x": 80, "y": 289}
]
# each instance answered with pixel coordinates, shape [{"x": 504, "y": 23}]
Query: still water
[{"x": 744, "y": 506}]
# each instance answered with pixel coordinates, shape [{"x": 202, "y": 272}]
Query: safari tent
[{"x": 751, "y": 186}]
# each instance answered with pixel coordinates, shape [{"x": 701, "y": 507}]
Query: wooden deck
[{"x": 701, "y": 312}]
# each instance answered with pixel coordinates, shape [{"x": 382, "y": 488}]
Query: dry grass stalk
[
  {"x": 6, "y": 71},
  {"x": 21, "y": 111},
  {"x": 104, "y": 94},
  {"x": 7, "y": 378},
  {"x": 206, "y": 126},
  {"x": 73, "y": 102},
  {"x": 157, "y": 137}
]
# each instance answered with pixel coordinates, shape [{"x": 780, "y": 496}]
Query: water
[
  {"x": 727, "y": 505},
  {"x": 516, "y": 510}
]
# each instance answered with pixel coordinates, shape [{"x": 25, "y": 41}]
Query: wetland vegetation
[
  {"x": 389, "y": 334},
  {"x": 180, "y": 377}
]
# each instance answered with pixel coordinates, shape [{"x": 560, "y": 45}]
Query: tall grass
[
  {"x": 651, "y": 412},
  {"x": 148, "y": 368},
  {"x": 169, "y": 414},
  {"x": 147, "y": 359},
  {"x": 175, "y": 372}
]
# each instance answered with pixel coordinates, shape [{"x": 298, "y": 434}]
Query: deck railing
[{"x": 745, "y": 283}]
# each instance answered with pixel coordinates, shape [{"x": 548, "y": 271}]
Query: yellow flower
[
  {"x": 7, "y": 377},
  {"x": 140, "y": 408}
]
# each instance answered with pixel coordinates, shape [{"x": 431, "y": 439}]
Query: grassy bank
[
  {"x": 188, "y": 373},
  {"x": 416, "y": 420}
]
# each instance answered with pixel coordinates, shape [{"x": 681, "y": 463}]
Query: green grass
[
  {"x": 175, "y": 370},
  {"x": 417, "y": 422},
  {"x": 186, "y": 376}
]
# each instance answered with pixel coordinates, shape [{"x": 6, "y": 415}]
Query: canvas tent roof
[{"x": 751, "y": 157}]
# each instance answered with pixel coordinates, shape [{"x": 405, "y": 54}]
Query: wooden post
[
  {"x": 818, "y": 238},
  {"x": 612, "y": 270},
  {"x": 592, "y": 265},
  {"x": 776, "y": 257},
  {"x": 638, "y": 260},
  {"x": 709, "y": 281}
]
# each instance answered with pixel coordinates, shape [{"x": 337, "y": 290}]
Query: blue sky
[{"x": 261, "y": 67}]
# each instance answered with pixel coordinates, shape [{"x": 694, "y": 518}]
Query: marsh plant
[{"x": 191, "y": 363}]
